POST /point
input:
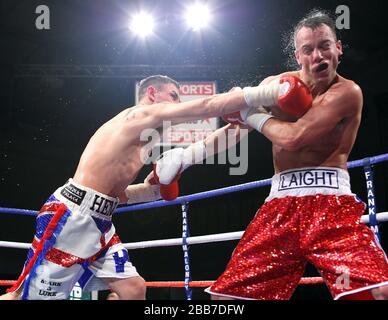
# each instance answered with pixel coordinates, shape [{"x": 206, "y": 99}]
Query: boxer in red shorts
[{"x": 311, "y": 215}]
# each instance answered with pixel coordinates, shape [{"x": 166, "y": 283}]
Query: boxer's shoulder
[
  {"x": 347, "y": 89},
  {"x": 341, "y": 83},
  {"x": 345, "y": 96}
]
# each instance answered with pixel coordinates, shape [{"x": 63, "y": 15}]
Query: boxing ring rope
[
  {"x": 373, "y": 218},
  {"x": 211, "y": 238},
  {"x": 205, "y": 194},
  {"x": 181, "y": 284}
]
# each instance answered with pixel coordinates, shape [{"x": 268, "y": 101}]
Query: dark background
[{"x": 58, "y": 86}]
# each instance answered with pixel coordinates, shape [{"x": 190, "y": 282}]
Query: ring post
[
  {"x": 372, "y": 208},
  {"x": 185, "y": 247}
]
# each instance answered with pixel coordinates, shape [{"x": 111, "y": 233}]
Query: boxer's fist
[
  {"x": 288, "y": 92},
  {"x": 167, "y": 169},
  {"x": 294, "y": 96},
  {"x": 169, "y": 166},
  {"x": 170, "y": 191}
]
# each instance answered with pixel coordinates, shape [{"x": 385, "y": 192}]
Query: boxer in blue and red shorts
[{"x": 75, "y": 239}]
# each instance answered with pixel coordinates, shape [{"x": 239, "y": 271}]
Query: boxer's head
[
  {"x": 158, "y": 89},
  {"x": 316, "y": 47}
]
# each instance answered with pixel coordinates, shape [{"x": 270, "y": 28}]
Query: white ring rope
[
  {"x": 381, "y": 217},
  {"x": 191, "y": 240},
  {"x": 15, "y": 245}
]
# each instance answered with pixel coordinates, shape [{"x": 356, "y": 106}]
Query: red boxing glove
[
  {"x": 294, "y": 96},
  {"x": 170, "y": 191}
]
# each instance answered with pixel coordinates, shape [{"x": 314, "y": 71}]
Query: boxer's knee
[
  {"x": 213, "y": 297},
  {"x": 10, "y": 296},
  {"x": 129, "y": 289},
  {"x": 113, "y": 296},
  {"x": 380, "y": 293}
]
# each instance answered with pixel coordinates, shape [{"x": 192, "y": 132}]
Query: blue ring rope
[
  {"x": 185, "y": 200},
  {"x": 205, "y": 194}
]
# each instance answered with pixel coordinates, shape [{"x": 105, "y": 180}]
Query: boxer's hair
[
  {"x": 157, "y": 81},
  {"x": 313, "y": 20}
]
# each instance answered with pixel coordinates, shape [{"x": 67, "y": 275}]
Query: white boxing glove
[{"x": 170, "y": 164}]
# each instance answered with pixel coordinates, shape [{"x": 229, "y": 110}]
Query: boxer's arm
[
  {"x": 284, "y": 96},
  {"x": 343, "y": 101},
  {"x": 214, "y": 106},
  {"x": 175, "y": 161},
  {"x": 225, "y": 138},
  {"x": 153, "y": 116},
  {"x": 172, "y": 163},
  {"x": 147, "y": 191}
]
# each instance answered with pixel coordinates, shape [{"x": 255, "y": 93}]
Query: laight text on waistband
[{"x": 321, "y": 178}]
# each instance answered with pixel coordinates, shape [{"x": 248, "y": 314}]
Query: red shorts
[{"x": 289, "y": 232}]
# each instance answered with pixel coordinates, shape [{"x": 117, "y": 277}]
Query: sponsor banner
[{"x": 193, "y": 131}]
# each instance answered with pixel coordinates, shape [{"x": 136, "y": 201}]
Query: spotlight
[
  {"x": 197, "y": 16},
  {"x": 142, "y": 24}
]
